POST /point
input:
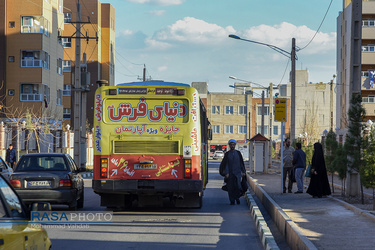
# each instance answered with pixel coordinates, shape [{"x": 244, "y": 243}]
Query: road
[{"x": 216, "y": 225}]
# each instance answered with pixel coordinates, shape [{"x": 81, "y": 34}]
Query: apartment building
[
  {"x": 346, "y": 49},
  {"x": 98, "y": 21},
  {"x": 238, "y": 116},
  {"x": 315, "y": 106},
  {"x": 31, "y": 75}
]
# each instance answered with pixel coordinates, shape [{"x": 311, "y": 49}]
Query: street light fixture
[{"x": 292, "y": 56}]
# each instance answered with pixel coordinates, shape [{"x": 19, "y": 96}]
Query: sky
[{"x": 187, "y": 40}]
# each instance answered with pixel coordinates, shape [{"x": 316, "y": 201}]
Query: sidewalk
[{"x": 309, "y": 223}]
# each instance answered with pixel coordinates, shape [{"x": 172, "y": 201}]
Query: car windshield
[{"x": 41, "y": 163}]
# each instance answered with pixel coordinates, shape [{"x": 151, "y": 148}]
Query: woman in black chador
[{"x": 319, "y": 185}]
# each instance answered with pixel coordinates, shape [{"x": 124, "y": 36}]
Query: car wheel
[{"x": 81, "y": 200}]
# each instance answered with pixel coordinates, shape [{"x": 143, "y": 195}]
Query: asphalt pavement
[{"x": 313, "y": 223}]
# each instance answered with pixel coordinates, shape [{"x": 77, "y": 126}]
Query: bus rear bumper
[{"x": 146, "y": 186}]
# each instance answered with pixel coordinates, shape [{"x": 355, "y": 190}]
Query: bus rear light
[
  {"x": 187, "y": 168},
  {"x": 103, "y": 168}
]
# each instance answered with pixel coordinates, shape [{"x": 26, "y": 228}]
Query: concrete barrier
[
  {"x": 292, "y": 234},
  {"x": 264, "y": 232}
]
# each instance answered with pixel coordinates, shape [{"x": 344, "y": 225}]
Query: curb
[
  {"x": 264, "y": 232},
  {"x": 291, "y": 232}
]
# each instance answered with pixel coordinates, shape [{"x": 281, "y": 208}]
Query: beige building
[
  {"x": 31, "y": 56},
  {"x": 98, "y": 21},
  {"x": 231, "y": 113},
  {"x": 315, "y": 106}
]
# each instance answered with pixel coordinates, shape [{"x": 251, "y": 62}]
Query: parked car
[
  {"x": 49, "y": 177},
  {"x": 5, "y": 170},
  {"x": 16, "y": 230},
  {"x": 218, "y": 155}
]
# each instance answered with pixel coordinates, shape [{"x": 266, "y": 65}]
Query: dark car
[{"x": 49, "y": 177}]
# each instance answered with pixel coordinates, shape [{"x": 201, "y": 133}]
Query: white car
[
  {"x": 218, "y": 155},
  {"x": 5, "y": 170}
]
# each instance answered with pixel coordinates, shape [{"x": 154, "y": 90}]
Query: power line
[
  {"x": 282, "y": 78},
  {"x": 318, "y": 28}
]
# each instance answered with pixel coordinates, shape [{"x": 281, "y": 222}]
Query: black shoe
[
  {"x": 238, "y": 201},
  {"x": 284, "y": 191},
  {"x": 298, "y": 192},
  {"x": 290, "y": 191},
  {"x": 232, "y": 203}
]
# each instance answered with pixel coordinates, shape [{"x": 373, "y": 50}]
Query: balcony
[{"x": 31, "y": 97}]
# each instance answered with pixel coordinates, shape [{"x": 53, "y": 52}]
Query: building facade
[
  {"x": 97, "y": 52},
  {"x": 238, "y": 116},
  {"x": 31, "y": 75},
  {"x": 352, "y": 39}
]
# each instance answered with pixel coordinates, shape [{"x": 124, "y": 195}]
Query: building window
[
  {"x": 34, "y": 24},
  {"x": 368, "y": 99},
  {"x": 228, "y": 129},
  {"x": 11, "y": 59},
  {"x": 216, "y": 129},
  {"x": 66, "y": 113},
  {"x": 242, "y": 110},
  {"x": 229, "y": 110},
  {"x": 259, "y": 130},
  {"x": 12, "y": 24},
  {"x": 275, "y": 130},
  {"x": 368, "y": 23},
  {"x": 34, "y": 59},
  {"x": 66, "y": 64},
  {"x": 66, "y": 42},
  {"x": 31, "y": 92},
  {"x": 68, "y": 17},
  {"x": 67, "y": 90},
  {"x": 59, "y": 66},
  {"x": 60, "y": 6},
  {"x": 368, "y": 48},
  {"x": 215, "y": 110},
  {"x": 59, "y": 97},
  {"x": 266, "y": 110},
  {"x": 242, "y": 129}
]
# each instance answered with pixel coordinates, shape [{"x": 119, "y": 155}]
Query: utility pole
[
  {"x": 262, "y": 127},
  {"x": 293, "y": 90},
  {"x": 77, "y": 95},
  {"x": 271, "y": 113},
  {"x": 80, "y": 94},
  {"x": 331, "y": 103}
]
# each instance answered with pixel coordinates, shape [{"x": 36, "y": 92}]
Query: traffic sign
[{"x": 280, "y": 109}]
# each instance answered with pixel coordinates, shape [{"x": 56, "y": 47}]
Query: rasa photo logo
[{"x": 71, "y": 219}]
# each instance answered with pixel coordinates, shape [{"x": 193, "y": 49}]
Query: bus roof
[{"x": 154, "y": 83}]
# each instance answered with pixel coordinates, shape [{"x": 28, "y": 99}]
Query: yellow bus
[{"x": 151, "y": 142}]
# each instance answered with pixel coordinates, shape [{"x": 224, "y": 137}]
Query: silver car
[{"x": 218, "y": 155}]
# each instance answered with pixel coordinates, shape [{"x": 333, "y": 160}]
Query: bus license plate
[
  {"x": 145, "y": 166},
  {"x": 39, "y": 184}
]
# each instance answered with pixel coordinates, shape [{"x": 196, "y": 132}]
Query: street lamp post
[{"x": 292, "y": 56}]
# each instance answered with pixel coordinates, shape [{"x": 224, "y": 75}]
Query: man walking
[
  {"x": 233, "y": 169},
  {"x": 287, "y": 165},
  {"x": 299, "y": 161},
  {"x": 10, "y": 156}
]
